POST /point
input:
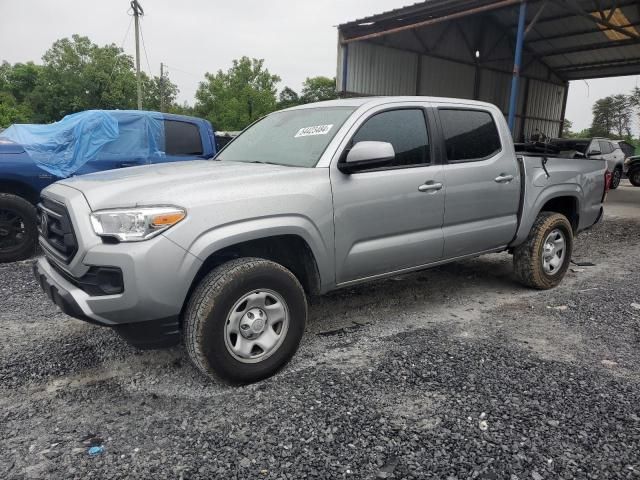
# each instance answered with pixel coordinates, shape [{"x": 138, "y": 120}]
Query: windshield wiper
[{"x": 266, "y": 163}]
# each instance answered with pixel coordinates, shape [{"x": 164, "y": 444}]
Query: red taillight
[
  {"x": 607, "y": 181},
  {"x": 607, "y": 184}
]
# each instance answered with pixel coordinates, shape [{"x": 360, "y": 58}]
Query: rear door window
[
  {"x": 182, "y": 138},
  {"x": 469, "y": 135},
  {"x": 605, "y": 147}
]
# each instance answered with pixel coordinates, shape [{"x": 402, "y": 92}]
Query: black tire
[
  {"x": 634, "y": 176},
  {"x": 18, "y": 228},
  {"x": 212, "y": 302},
  {"x": 616, "y": 176},
  {"x": 528, "y": 257}
]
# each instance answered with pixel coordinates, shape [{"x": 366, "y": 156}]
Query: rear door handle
[
  {"x": 430, "y": 187},
  {"x": 503, "y": 178},
  {"x": 130, "y": 164}
]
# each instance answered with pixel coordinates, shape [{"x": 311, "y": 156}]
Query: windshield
[{"x": 295, "y": 137}]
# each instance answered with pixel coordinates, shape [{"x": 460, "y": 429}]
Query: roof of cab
[{"x": 375, "y": 101}]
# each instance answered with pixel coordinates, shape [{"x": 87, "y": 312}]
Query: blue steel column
[
  {"x": 513, "y": 101},
  {"x": 345, "y": 62}
]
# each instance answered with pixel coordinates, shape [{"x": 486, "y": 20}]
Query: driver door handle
[
  {"x": 430, "y": 187},
  {"x": 503, "y": 178}
]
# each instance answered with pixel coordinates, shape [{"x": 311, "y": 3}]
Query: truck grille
[{"x": 56, "y": 231}]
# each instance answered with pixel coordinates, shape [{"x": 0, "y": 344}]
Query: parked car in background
[
  {"x": 628, "y": 149},
  {"x": 222, "y": 138},
  {"x": 631, "y": 167},
  {"x": 632, "y": 170},
  {"x": 222, "y": 253},
  {"x": 25, "y": 169},
  {"x": 594, "y": 148}
]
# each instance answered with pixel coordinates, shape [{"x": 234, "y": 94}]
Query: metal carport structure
[{"x": 517, "y": 54}]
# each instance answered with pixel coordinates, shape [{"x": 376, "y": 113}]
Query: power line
[
  {"x": 144, "y": 47},
  {"x": 124, "y": 39},
  {"x": 182, "y": 71}
]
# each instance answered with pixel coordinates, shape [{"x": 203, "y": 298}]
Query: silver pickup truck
[{"x": 222, "y": 253}]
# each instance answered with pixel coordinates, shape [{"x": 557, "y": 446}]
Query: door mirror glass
[
  {"x": 367, "y": 155},
  {"x": 593, "y": 153}
]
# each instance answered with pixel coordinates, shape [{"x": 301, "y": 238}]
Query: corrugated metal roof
[{"x": 574, "y": 39}]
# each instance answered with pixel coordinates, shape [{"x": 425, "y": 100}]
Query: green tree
[
  {"x": 567, "y": 125},
  {"x": 79, "y": 75},
  {"x": 612, "y": 116},
  {"x": 16, "y": 85},
  {"x": 21, "y": 79},
  {"x": 318, "y": 89},
  {"x": 13, "y": 112},
  {"x": 233, "y": 99},
  {"x": 153, "y": 88},
  {"x": 288, "y": 98}
]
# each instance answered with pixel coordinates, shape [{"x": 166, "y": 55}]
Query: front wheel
[
  {"x": 543, "y": 259},
  {"x": 245, "y": 320},
  {"x": 18, "y": 229},
  {"x": 616, "y": 176},
  {"x": 634, "y": 177}
]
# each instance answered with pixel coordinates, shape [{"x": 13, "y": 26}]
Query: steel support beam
[
  {"x": 535, "y": 19},
  {"x": 577, "y": 33},
  {"x": 433, "y": 21},
  {"x": 345, "y": 63},
  {"x": 573, "y": 6},
  {"x": 513, "y": 100},
  {"x": 589, "y": 47},
  {"x": 612, "y": 63},
  {"x": 564, "y": 109}
]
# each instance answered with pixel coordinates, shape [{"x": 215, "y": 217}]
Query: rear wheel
[
  {"x": 245, "y": 320},
  {"x": 634, "y": 176},
  {"x": 18, "y": 230},
  {"x": 616, "y": 176},
  {"x": 542, "y": 261}
]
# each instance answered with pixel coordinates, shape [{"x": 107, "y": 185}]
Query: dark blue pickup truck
[{"x": 22, "y": 176}]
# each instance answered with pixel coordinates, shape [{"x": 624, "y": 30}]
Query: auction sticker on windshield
[{"x": 317, "y": 130}]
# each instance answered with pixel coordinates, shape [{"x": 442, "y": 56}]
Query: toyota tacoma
[{"x": 222, "y": 253}]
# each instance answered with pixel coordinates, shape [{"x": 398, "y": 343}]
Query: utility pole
[
  {"x": 137, "y": 13},
  {"x": 161, "y": 87}
]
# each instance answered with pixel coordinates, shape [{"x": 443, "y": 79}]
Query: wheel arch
[
  {"x": 290, "y": 250},
  {"x": 20, "y": 189},
  {"x": 567, "y": 205},
  {"x": 559, "y": 199}
]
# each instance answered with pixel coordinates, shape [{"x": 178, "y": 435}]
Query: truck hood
[
  {"x": 185, "y": 184},
  {"x": 8, "y": 147}
]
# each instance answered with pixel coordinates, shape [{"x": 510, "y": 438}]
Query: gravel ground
[{"x": 452, "y": 373}]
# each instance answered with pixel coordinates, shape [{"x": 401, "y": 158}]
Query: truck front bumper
[
  {"x": 138, "y": 288},
  {"x": 56, "y": 292},
  {"x": 135, "y": 314}
]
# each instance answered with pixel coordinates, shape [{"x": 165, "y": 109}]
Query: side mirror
[
  {"x": 593, "y": 153},
  {"x": 367, "y": 155}
]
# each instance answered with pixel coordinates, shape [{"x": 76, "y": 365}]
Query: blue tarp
[{"x": 63, "y": 147}]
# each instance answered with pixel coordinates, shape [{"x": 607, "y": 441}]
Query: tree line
[
  {"x": 612, "y": 118},
  {"x": 233, "y": 99},
  {"x": 76, "y": 75}
]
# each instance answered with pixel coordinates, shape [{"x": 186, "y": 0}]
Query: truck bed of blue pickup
[{"x": 22, "y": 179}]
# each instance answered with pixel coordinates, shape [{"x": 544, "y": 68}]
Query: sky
[{"x": 297, "y": 38}]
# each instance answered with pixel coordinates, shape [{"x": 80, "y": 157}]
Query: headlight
[{"x": 135, "y": 224}]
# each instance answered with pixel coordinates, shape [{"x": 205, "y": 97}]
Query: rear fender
[{"x": 533, "y": 207}]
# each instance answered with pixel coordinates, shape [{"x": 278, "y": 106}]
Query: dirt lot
[{"x": 456, "y": 372}]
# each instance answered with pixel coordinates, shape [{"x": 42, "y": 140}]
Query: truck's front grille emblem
[{"x": 56, "y": 231}]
